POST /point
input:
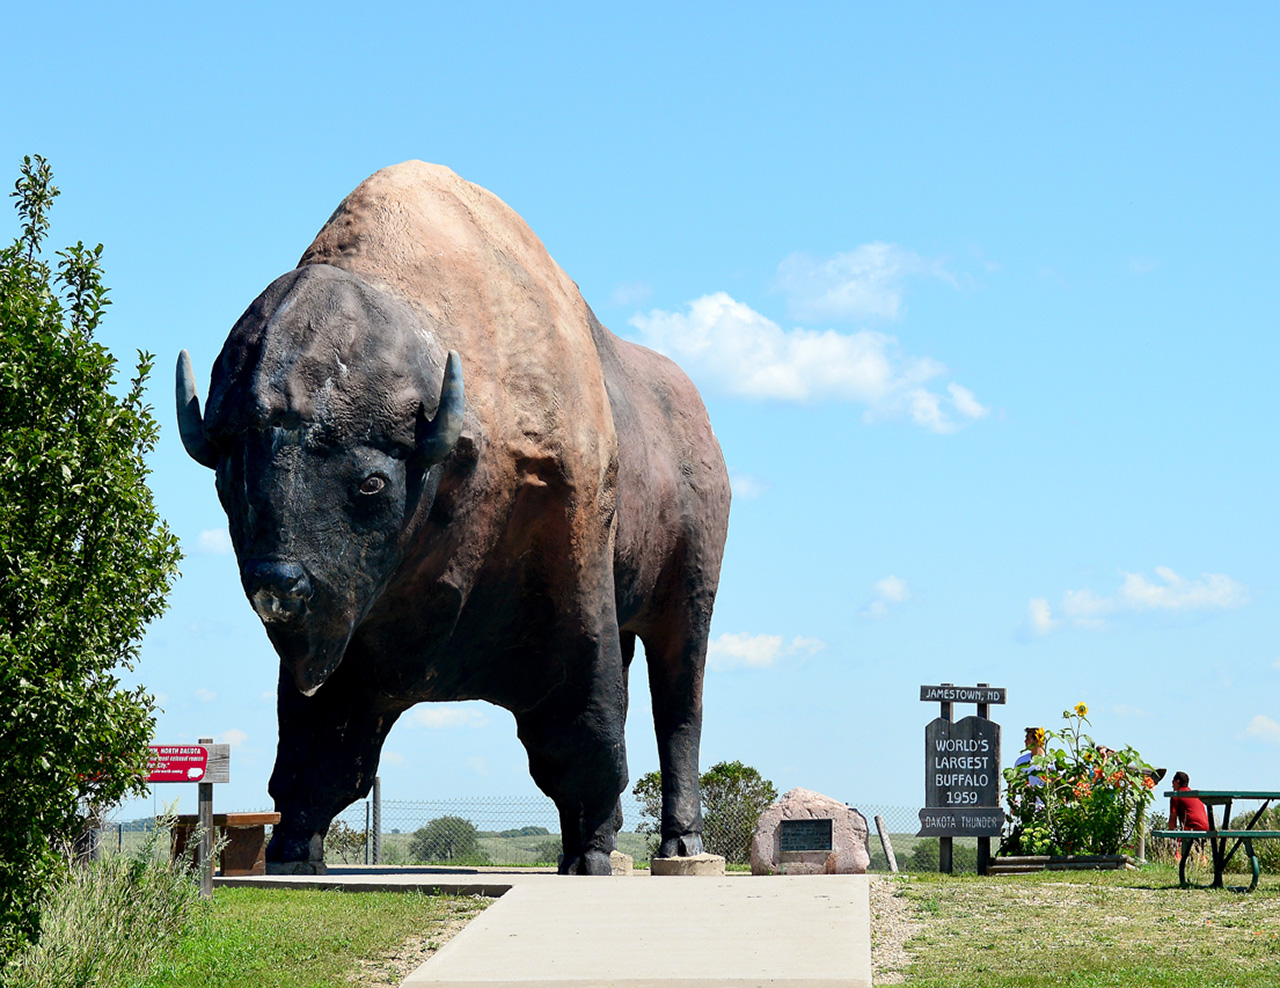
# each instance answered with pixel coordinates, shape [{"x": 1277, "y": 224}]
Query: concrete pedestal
[{"x": 699, "y": 864}]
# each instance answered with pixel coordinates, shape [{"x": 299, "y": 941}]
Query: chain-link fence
[
  {"x": 522, "y": 831},
  {"x": 525, "y": 831}
]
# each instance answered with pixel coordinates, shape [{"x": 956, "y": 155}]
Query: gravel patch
[
  {"x": 892, "y": 925},
  {"x": 405, "y": 958}
]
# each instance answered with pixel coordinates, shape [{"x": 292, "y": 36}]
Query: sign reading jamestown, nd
[{"x": 961, "y": 779}]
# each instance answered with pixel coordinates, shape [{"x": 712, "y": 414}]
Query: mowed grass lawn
[
  {"x": 280, "y": 938},
  {"x": 1125, "y": 928}
]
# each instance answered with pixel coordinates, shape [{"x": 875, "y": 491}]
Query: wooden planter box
[{"x": 1066, "y": 862}]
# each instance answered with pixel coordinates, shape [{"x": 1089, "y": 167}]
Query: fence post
[
  {"x": 376, "y": 841},
  {"x": 886, "y": 843},
  {"x": 367, "y": 832},
  {"x": 119, "y": 838},
  {"x": 205, "y": 822}
]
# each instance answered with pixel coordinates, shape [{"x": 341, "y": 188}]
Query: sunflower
[{"x": 1082, "y": 710}]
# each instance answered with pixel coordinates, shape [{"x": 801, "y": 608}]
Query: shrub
[
  {"x": 447, "y": 839},
  {"x": 347, "y": 842},
  {"x": 104, "y": 924},
  {"x": 85, "y": 561},
  {"x": 733, "y": 797}
]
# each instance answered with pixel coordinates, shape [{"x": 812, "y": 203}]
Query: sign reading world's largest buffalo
[{"x": 402, "y": 542}]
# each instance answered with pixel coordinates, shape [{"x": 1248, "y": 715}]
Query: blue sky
[{"x": 982, "y": 301}]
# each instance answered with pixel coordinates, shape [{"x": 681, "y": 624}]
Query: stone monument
[{"x": 807, "y": 833}]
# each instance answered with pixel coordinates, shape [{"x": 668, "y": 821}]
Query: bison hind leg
[{"x": 676, "y": 656}]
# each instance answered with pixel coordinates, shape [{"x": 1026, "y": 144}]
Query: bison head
[{"x": 326, "y": 429}]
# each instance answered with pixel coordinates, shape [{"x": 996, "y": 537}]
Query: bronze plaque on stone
[{"x": 804, "y": 835}]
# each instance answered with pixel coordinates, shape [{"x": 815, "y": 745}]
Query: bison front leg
[
  {"x": 326, "y": 760},
  {"x": 577, "y": 753}
]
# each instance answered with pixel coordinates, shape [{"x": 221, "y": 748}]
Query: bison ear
[
  {"x": 437, "y": 437},
  {"x": 190, "y": 425}
]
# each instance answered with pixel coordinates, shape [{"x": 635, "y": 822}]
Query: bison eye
[{"x": 372, "y": 484}]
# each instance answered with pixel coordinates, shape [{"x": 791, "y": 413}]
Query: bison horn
[
  {"x": 190, "y": 425},
  {"x": 437, "y": 438}
]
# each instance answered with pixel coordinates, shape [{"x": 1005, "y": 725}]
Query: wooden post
[
  {"x": 205, "y": 811},
  {"x": 945, "y": 843},
  {"x": 886, "y": 843},
  {"x": 984, "y": 843}
]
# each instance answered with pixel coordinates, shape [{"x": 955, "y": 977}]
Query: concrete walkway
[{"x": 640, "y": 931}]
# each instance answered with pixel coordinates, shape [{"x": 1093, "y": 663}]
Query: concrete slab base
[
  {"x": 782, "y": 931},
  {"x": 697, "y": 864}
]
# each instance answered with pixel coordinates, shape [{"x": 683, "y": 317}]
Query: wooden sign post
[
  {"x": 204, "y": 763},
  {"x": 962, "y": 772}
]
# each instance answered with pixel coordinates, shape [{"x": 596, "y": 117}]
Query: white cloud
[
  {"x": 269, "y": 695},
  {"x": 810, "y": 645},
  {"x": 1275, "y": 664},
  {"x": 1137, "y": 594},
  {"x": 234, "y": 737},
  {"x": 865, "y": 281},
  {"x": 745, "y": 485},
  {"x": 446, "y": 715},
  {"x": 478, "y": 765},
  {"x": 1143, "y": 265},
  {"x": 1264, "y": 729},
  {"x": 889, "y": 591},
  {"x": 1126, "y": 710},
  {"x": 392, "y": 758},
  {"x": 735, "y": 651},
  {"x": 1040, "y": 616},
  {"x": 730, "y": 345},
  {"x": 204, "y": 695},
  {"x": 966, "y": 404},
  {"x": 631, "y": 293},
  {"x": 213, "y": 542}
]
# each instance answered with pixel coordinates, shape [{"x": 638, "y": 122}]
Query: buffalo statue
[{"x": 403, "y": 541}]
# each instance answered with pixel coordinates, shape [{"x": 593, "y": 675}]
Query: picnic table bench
[{"x": 1219, "y": 837}]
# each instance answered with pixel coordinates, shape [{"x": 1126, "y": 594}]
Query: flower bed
[{"x": 1076, "y": 797}]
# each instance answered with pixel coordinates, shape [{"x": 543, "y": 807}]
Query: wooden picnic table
[{"x": 1219, "y": 837}]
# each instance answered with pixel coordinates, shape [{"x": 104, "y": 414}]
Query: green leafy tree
[
  {"x": 733, "y": 797},
  {"x": 85, "y": 561},
  {"x": 449, "y": 839}
]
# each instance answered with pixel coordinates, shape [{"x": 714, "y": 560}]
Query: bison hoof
[
  {"x": 684, "y": 846},
  {"x": 296, "y": 868},
  {"x": 587, "y": 863}
]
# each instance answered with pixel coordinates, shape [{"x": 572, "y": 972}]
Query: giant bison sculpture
[{"x": 404, "y": 540}]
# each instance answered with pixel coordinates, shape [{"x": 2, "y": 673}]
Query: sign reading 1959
[{"x": 962, "y": 765}]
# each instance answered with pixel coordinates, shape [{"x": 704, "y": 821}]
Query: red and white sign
[{"x": 177, "y": 763}]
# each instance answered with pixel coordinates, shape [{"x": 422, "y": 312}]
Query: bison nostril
[{"x": 277, "y": 589}]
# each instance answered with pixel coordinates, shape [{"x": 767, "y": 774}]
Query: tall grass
[{"x": 104, "y": 924}]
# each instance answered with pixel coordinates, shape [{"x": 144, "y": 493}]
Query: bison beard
[{"x": 404, "y": 542}]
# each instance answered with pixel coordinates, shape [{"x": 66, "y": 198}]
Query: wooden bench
[
  {"x": 1219, "y": 838},
  {"x": 245, "y": 852}
]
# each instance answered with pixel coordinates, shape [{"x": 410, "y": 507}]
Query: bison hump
[{"x": 483, "y": 284}]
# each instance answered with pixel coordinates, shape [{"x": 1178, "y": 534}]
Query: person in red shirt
[{"x": 1186, "y": 812}]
